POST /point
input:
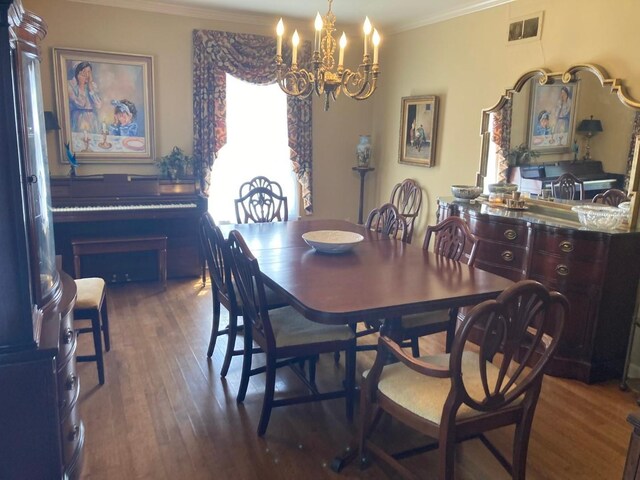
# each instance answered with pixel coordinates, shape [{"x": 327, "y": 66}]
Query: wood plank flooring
[{"x": 165, "y": 413}]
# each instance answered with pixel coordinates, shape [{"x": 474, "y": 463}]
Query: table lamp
[{"x": 589, "y": 128}]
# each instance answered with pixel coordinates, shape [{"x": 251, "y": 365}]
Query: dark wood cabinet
[
  {"x": 41, "y": 433},
  {"x": 597, "y": 271}
]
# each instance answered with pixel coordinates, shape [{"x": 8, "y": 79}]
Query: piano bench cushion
[{"x": 90, "y": 293}]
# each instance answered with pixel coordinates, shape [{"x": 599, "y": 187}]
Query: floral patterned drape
[
  {"x": 634, "y": 135},
  {"x": 250, "y": 58},
  {"x": 501, "y": 136}
]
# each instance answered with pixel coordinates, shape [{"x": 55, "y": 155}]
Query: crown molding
[
  {"x": 186, "y": 11},
  {"x": 448, "y": 15}
]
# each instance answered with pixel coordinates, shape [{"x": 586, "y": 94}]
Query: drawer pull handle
[
  {"x": 71, "y": 382},
  {"x": 510, "y": 234},
  {"x": 566, "y": 246},
  {"x": 68, "y": 335},
  {"x": 73, "y": 433},
  {"x": 562, "y": 270},
  {"x": 507, "y": 256}
]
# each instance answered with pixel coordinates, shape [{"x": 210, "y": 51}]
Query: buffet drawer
[
  {"x": 576, "y": 248},
  {"x": 499, "y": 232},
  {"x": 562, "y": 271},
  {"x": 510, "y": 256},
  {"x": 68, "y": 387},
  {"x": 72, "y": 432},
  {"x": 67, "y": 338}
]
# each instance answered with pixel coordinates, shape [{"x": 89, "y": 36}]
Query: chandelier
[{"x": 325, "y": 78}]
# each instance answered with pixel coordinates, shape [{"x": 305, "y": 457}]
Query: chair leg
[
  {"x": 97, "y": 344},
  {"x": 269, "y": 389},
  {"x": 451, "y": 329},
  {"x": 246, "y": 365},
  {"x": 350, "y": 379},
  {"x": 231, "y": 344},
  {"x": 215, "y": 326},
  {"x": 105, "y": 325},
  {"x": 415, "y": 347},
  {"x": 446, "y": 453},
  {"x": 521, "y": 442},
  {"x": 312, "y": 369}
]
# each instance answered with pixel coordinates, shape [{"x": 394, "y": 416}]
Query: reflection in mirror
[{"x": 578, "y": 121}]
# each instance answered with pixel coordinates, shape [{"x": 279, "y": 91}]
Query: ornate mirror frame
[{"x": 546, "y": 77}]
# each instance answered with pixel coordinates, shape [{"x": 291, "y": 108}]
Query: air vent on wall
[{"x": 526, "y": 28}]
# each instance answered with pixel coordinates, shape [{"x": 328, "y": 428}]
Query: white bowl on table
[
  {"x": 603, "y": 217},
  {"x": 332, "y": 241}
]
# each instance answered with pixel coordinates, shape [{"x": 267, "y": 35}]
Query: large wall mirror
[{"x": 557, "y": 115}]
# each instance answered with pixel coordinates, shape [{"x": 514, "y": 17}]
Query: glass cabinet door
[{"x": 43, "y": 267}]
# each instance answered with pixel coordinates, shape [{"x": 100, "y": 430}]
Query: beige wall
[
  {"x": 168, "y": 39},
  {"x": 467, "y": 62}
]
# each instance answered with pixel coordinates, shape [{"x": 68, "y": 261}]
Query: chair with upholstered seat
[
  {"x": 91, "y": 304},
  {"x": 387, "y": 220},
  {"x": 407, "y": 198},
  {"x": 453, "y": 240},
  {"x": 223, "y": 290},
  {"x": 261, "y": 200},
  {"x": 286, "y": 337},
  {"x": 613, "y": 197},
  {"x": 566, "y": 186},
  {"x": 462, "y": 395}
]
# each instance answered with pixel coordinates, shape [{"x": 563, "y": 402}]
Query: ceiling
[{"x": 386, "y": 15}]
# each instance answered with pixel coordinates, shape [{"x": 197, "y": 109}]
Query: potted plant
[
  {"x": 519, "y": 155},
  {"x": 175, "y": 165}
]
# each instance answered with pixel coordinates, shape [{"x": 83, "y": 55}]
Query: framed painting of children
[
  {"x": 552, "y": 117},
  {"x": 105, "y": 106}
]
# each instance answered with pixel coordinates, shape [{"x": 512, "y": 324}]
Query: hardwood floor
[{"x": 165, "y": 413}]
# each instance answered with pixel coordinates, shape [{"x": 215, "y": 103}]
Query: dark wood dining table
[{"x": 380, "y": 278}]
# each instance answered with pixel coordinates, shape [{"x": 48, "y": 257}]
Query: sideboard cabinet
[
  {"x": 597, "y": 271},
  {"x": 41, "y": 433}
]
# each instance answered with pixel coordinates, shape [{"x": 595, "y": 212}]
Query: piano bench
[{"x": 103, "y": 245}]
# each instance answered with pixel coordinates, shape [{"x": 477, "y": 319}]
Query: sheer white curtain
[{"x": 256, "y": 145}]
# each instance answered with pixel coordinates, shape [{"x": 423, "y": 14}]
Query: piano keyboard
[{"x": 112, "y": 208}]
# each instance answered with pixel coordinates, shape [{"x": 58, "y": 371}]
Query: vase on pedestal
[{"x": 363, "y": 150}]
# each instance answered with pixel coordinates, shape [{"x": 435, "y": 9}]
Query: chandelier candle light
[{"x": 324, "y": 78}]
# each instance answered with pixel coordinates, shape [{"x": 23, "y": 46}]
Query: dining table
[{"x": 379, "y": 278}]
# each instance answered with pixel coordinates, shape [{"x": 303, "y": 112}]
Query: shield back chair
[
  {"x": 388, "y": 221},
  {"x": 260, "y": 201},
  {"x": 460, "y": 396},
  {"x": 613, "y": 197},
  {"x": 286, "y": 337},
  {"x": 454, "y": 241},
  {"x": 91, "y": 304},
  {"x": 567, "y": 186},
  {"x": 407, "y": 197},
  {"x": 223, "y": 290}
]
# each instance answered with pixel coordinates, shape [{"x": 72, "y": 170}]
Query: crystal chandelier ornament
[{"x": 325, "y": 78}]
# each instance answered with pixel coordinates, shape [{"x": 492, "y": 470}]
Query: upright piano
[
  {"x": 533, "y": 178},
  {"x": 113, "y": 205}
]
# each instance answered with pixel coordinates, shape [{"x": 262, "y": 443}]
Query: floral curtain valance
[{"x": 249, "y": 58}]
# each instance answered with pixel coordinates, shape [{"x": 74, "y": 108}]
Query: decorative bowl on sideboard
[
  {"x": 465, "y": 192},
  {"x": 602, "y": 217}
]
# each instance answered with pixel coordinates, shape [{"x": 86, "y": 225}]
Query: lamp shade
[
  {"x": 50, "y": 121},
  {"x": 590, "y": 126}
]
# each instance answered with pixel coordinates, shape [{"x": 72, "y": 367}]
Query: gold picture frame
[
  {"x": 418, "y": 129},
  {"x": 105, "y": 106}
]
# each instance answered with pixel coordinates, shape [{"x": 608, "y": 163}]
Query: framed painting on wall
[
  {"x": 418, "y": 122},
  {"x": 105, "y": 104},
  {"x": 552, "y": 117}
]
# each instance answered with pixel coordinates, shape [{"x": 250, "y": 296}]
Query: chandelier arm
[
  {"x": 295, "y": 82},
  {"x": 364, "y": 80}
]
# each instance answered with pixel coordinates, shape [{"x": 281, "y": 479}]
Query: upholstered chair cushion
[
  {"x": 424, "y": 395},
  {"x": 291, "y": 328},
  {"x": 90, "y": 293},
  {"x": 426, "y": 318}
]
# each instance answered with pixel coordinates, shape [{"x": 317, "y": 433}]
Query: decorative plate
[{"x": 332, "y": 241}]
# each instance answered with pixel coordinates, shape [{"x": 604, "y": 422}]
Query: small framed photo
[
  {"x": 105, "y": 105},
  {"x": 552, "y": 117},
  {"x": 418, "y": 128}
]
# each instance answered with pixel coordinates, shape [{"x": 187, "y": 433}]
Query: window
[{"x": 257, "y": 144}]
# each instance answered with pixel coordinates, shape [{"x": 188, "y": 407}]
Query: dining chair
[
  {"x": 407, "y": 197},
  {"x": 261, "y": 200},
  {"x": 387, "y": 220},
  {"x": 566, "y": 186},
  {"x": 224, "y": 291},
  {"x": 453, "y": 240},
  {"x": 286, "y": 337},
  {"x": 474, "y": 389},
  {"x": 613, "y": 197}
]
